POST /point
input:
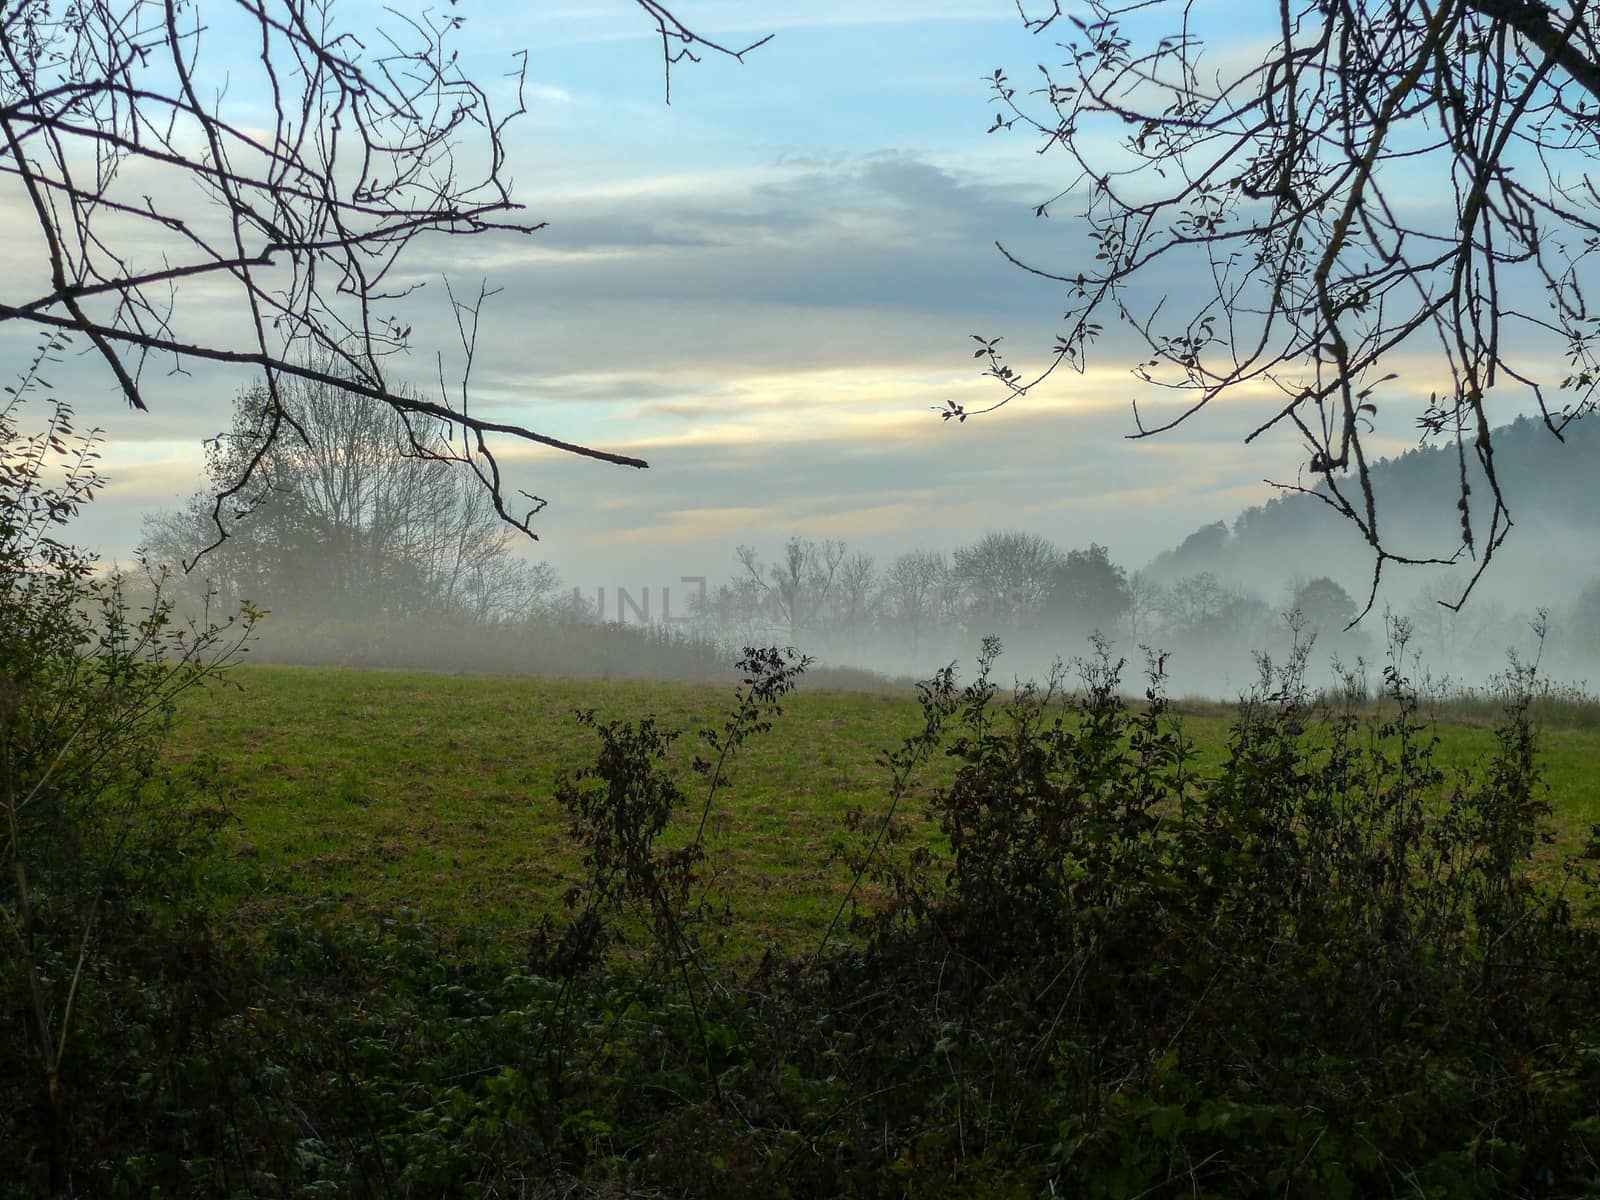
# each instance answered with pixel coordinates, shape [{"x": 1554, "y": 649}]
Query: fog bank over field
[
  {"x": 1290, "y": 571},
  {"x": 367, "y": 554},
  {"x": 455, "y": 594}
]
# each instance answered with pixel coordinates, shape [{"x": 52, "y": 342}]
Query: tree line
[
  {"x": 925, "y": 605},
  {"x": 360, "y": 541},
  {"x": 357, "y": 520}
]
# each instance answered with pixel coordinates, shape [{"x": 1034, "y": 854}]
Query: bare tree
[
  {"x": 1289, "y": 190},
  {"x": 857, "y": 579},
  {"x": 917, "y": 584},
  {"x": 353, "y": 521},
  {"x": 800, "y": 585},
  {"x": 1146, "y": 598},
  {"x": 371, "y": 139},
  {"x": 1212, "y": 617},
  {"x": 1008, "y": 572},
  {"x": 1194, "y": 604}
]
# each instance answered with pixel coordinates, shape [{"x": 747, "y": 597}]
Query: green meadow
[{"x": 379, "y": 789}]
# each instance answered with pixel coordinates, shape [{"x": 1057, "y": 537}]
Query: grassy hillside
[{"x": 381, "y": 788}]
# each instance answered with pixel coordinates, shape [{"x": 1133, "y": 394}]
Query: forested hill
[{"x": 1550, "y": 486}]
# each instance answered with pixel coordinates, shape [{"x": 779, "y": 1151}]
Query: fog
[
  {"x": 1208, "y": 609},
  {"x": 1207, "y": 618},
  {"x": 366, "y": 551}
]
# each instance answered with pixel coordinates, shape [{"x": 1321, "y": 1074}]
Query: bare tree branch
[
  {"x": 1300, "y": 200},
  {"x": 329, "y": 151},
  {"x": 679, "y": 42}
]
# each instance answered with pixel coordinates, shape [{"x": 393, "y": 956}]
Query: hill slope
[{"x": 1550, "y": 486}]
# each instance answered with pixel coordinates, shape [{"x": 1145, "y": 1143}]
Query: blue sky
[{"x": 764, "y": 289}]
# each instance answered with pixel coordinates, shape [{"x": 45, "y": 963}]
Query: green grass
[{"x": 383, "y": 789}]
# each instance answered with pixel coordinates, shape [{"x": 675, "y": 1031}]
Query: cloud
[
  {"x": 547, "y": 93},
  {"x": 774, "y": 342},
  {"x": 864, "y": 261},
  {"x": 889, "y": 487}
]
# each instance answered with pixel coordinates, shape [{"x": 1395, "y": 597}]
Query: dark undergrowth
[{"x": 1317, "y": 969}]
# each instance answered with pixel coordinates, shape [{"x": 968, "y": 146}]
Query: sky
[{"x": 764, "y": 289}]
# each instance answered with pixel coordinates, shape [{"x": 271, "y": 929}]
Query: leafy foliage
[
  {"x": 1088, "y": 592},
  {"x": 98, "y": 840}
]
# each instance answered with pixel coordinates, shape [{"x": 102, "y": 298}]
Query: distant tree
[
  {"x": 162, "y": 191},
  {"x": 857, "y": 579},
  {"x": 799, "y": 586},
  {"x": 1088, "y": 592},
  {"x": 1195, "y": 604},
  {"x": 356, "y": 520},
  {"x": 1326, "y": 606},
  {"x": 1146, "y": 598},
  {"x": 1007, "y": 574},
  {"x": 1374, "y": 180},
  {"x": 1202, "y": 550},
  {"x": 1244, "y": 618},
  {"x": 734, "y": 611},
  {"x": 917, "y": 592},
  {"x": 1586, "y": 617},
  {"x": 1477, "y": 637}
]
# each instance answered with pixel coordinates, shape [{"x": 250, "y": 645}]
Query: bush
[
  {"x": 99, "y": 843},
  {"x": 1321, "y": 967}
]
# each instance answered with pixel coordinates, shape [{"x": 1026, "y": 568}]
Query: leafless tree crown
[
  {"x": 1388, "y": 177},
  {"x": 324, "y": 151}
]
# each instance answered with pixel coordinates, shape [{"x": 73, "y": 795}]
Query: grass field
[{"x": 382, "y": 789}]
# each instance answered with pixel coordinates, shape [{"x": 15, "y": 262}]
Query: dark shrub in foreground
[{"x": 1316, "y": 968}]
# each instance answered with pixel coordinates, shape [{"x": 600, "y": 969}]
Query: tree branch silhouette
[
  {"x": 163, "y": 204},
  {"x": 1390, "y": 179}
]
